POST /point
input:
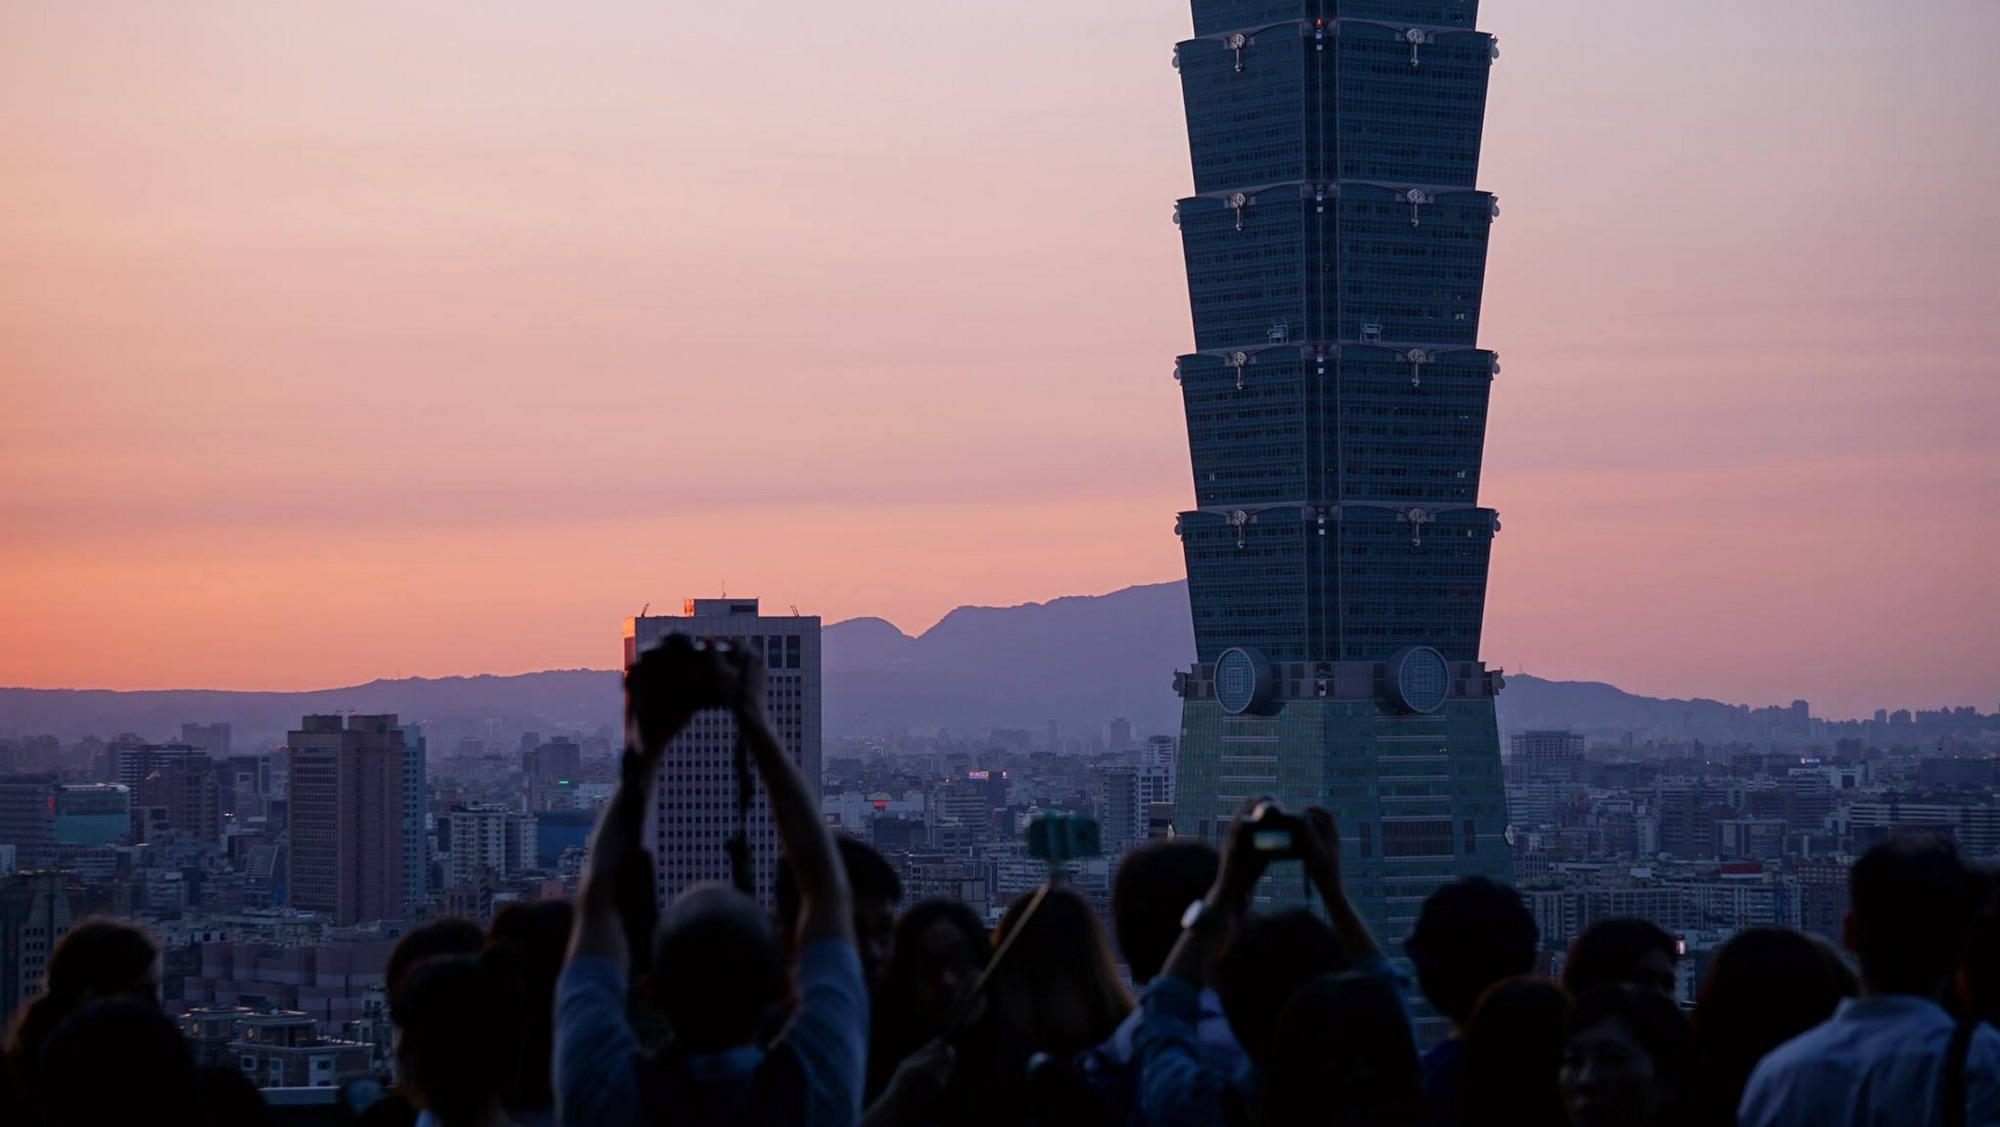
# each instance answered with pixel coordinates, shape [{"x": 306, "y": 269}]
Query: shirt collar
[{"x": 1878, "y": 1006}]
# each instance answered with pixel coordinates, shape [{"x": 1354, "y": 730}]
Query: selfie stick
[{"x": 993, "y": 964}]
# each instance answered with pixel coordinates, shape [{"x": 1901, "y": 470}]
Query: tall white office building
[{"x": 692, "y": 812}]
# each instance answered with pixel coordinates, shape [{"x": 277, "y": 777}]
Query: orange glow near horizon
[{"x": 343, "y": 342}]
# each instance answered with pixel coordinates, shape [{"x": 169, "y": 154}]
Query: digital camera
[
  {"x": 1276, "y": 834},
  {"x": 695, "y": 666}
]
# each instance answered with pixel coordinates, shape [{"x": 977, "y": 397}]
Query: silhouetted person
[
  {"x": 438, "y": 938},
  {"x": 117, "y": 1062},
  {"x": 1510, "y": 1051},
  {"x": 1765, "y": 986},
  {"x": 96, "y": 960},
  {"x": 1059, "y": 984},
  {"x": 446, "y": 935},
  {"x": 1154, "y": 885},
  {"x": 718, "y": 968},
  {"x": 459, "y": 1035},
  {"x": 1978, "y": 985},
  {"x": 537, "y": 935},
  {"x": 1058, "y": 992},
  {"x": 1626, "y": 1059},
  {"x": 1883, "y": 1057},
  {"x": 225, "y": 1097},
  {"x": 1621, "y": 952},
  {"x": 1343, "y": 1055},
  {"x": 1470, "y": 934},
  {"x": 939, "y": 951},
  {"x": 1264, "y": 961},
  {"x": 876, "y": 891}
]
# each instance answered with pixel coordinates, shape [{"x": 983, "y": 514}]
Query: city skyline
[{"x": 524, "y": 259}]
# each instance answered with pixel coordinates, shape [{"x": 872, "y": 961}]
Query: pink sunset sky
[{"x": 346, "y": 340}]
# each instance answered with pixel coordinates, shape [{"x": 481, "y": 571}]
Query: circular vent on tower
[
  {"x": 1242, "y": 680},
  {"x": 1419, "y": 679}
]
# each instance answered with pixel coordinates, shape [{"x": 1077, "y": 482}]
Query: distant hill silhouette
[{"x": 1079, "y": 661}]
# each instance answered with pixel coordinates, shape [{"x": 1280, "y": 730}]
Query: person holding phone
[{"x": 1255, "y": 964}]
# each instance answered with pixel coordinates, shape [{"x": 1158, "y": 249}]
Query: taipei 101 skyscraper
[{"x": 1336, "y": 410}]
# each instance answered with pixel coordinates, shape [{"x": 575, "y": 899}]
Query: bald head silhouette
[{"x": 717, "y": 968}]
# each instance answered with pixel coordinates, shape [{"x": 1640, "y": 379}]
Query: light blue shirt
[
  {"x": 1877, "y": 1062},
  {"x": 597, "y": 1056},
  {"x": 1113, "y": 1066}
]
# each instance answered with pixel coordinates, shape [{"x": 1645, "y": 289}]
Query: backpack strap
[{"x": 1954, "y": 1073}]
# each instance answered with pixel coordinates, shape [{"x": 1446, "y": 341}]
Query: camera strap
[{"x": 741, "y": 873}]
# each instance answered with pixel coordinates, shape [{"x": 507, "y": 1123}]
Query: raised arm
[
  {"x": 595, "y": 1047},
  {"x": 1228, "y": 898},
  {"x": 1177, "y": 1086},
  {"x": 1323, "y": 866},
  {"x": 825, "y": 908},
  {"x": 658, "y": 704}
]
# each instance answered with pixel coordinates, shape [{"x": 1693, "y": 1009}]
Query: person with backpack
[{"x": 718, "y": 969}]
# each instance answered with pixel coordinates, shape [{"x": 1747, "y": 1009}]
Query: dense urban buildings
[
  {"x": 695, "y": 809},
  {"x": 1336, "y": 410},
  {"x": 1705, "y": 837}
]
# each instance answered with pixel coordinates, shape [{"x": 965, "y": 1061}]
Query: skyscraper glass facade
[{"x": 1336, "y": 409}]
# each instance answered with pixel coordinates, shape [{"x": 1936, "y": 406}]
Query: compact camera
[
  {"x": 695, "y": 667},
  {"x": 1275, "y": 834}
]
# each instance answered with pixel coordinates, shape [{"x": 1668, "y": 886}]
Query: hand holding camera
[
  {"x": 680, "y": 677},
  {"x": 1265, "y": 832},
  {"x": 1243, "y": 863}
]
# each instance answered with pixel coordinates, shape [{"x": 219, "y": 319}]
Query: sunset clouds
[{"x": 350, "y": 340}]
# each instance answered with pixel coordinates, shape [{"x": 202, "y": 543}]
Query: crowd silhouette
[{"x": 847, "y": 1007}]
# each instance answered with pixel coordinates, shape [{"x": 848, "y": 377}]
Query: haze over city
[{"x": 413, "y": 343}]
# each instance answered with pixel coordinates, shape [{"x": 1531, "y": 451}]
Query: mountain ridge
[{"x": 1076, "y": 660}]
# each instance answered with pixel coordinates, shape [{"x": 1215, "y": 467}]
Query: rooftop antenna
[
  {"x": 644, "y": 609},
  {"x": 795, "y": 610}
]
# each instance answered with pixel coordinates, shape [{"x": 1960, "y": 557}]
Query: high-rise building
[
  {"x": 1157, "y": 764},
  {"x": 35, "y": 912},
  {"x": 246, "y": 785},
  {"x": 92, "y": 813},
  {"x": 1336, "y": 410},
  {"x": 345, "y": 859},
  {"x": 1546, "y": 755},
  {"x": 560, "y": 758},
  {"x": 211, "y": 738},
  {"x": 184, "y": 792},
  {"x": 489, "y": 840},
  {"x": 28, "y": 815},
  {"x": 1124, "y": 812},
  {"x": 693, "y": 812},
  {"x": 131, "y": 762},
  {"x": 416, "y": 809}
]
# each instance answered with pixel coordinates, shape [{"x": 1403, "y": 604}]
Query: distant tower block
[{"x": 693, "y": 812}]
